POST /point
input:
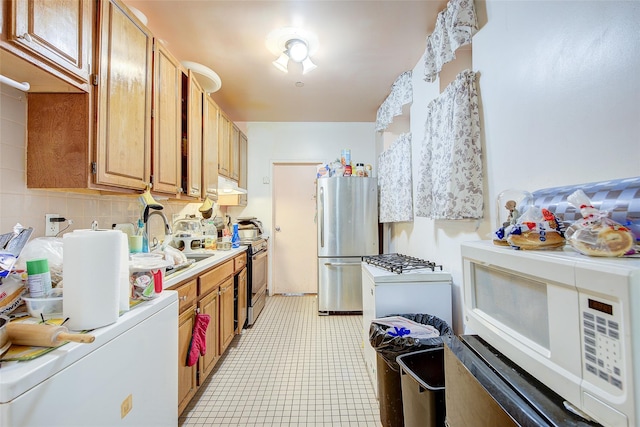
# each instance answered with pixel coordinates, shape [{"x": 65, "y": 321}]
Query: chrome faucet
[{"x": 167, "y": 227}]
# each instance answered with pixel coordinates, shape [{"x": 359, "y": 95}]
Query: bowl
[{"x": 48, "y": 307}]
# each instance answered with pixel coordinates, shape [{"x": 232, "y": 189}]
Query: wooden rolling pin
[{"x": 43, "y": 335}]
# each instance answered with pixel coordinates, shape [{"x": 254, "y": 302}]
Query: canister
[
  {"x": 345, "y": 157},
  {"x": 38, "y": 277}
]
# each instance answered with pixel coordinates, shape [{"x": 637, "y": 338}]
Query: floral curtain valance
[
  {"x": 394, "y": 179},
  {"x": 454, "y": 28},
  {"x": 450, "y": 174},
  {"x": 401, "y": 94}
]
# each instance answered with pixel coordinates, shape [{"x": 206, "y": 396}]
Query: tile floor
[{"x": 291, "y": 368}]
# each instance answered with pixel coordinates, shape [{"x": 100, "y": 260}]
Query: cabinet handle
[
  {"x": 183, "y": 298},
  {"x": 26, "y": 37}
]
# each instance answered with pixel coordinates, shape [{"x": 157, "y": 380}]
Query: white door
[{"x": 294, "y": 228}]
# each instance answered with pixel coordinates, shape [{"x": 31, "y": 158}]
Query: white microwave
[{"x": 571, "y": 321}]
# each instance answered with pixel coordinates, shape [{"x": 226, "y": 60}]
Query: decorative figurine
[{"x": 513, "y": 213}]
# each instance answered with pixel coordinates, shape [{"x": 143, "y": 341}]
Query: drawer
[
  {"x": 187, "y": 294},
  {"x": 211, "y": 279},
  {"x": 239, "y": 262}
]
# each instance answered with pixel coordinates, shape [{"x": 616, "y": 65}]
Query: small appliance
[{"x": 570, "y": 320}]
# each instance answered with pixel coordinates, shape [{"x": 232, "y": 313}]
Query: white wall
[
  {"x": 270, "y": 142},
  {"x": 560, "y": 104}
]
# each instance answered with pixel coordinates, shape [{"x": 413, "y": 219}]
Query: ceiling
[{"x": 363, "y": 46}]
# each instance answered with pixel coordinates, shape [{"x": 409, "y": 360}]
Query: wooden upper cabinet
[
  {"x": 55, "y": 35},
  {"x": 193, "y": 161},
  {"x": 167, "y": 127},
  {"x": 234, "y": 153},
  {"x": 125, "y": 49},
  {"x": 242, "y": 178},
  {"x": 224, "y": 132},
  {"x": 210, "y": 149}
]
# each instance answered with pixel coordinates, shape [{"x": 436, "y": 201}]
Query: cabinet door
[
  {"x": 234, "y": 155},
  {"x": 167, "y": 98},
  {"x": 242, "y": 299},
  {"x": 223, "y": 144},
  {"x": 209, "y": 305},
  {"x": 186, "y": 374},
  {"x": 242, "y": 179},
  {"x": 194, "y": 138},
  {"x": 227, "y": 330},
  {"x": 59, "y": 32},
  {"x": 123, "y": 154},
  {"x": 210, "y": 149}
]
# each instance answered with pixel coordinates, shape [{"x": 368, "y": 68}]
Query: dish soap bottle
[{"x": 235, "y": 237}]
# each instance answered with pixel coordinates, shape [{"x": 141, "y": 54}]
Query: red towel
[{"x": 198, "y": 344}]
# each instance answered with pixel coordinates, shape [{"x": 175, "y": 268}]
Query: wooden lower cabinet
[
  {"x": 209, "y": 304},
  {"x": 212, "y": 293},
  {"x": 227, "y": 323}
]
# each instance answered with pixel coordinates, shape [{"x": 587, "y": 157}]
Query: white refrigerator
[{"x": 347, "y": 231}]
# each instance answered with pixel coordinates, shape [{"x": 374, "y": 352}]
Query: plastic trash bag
[
  {"x": 44, "y": 247},
  {"x": 389, "y": 344}
]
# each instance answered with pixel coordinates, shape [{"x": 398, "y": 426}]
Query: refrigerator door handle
[
  {"x": 321, "y": 214},
  {"x": 342, "y": 264}
]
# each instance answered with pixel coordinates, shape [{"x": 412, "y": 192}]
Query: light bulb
[
  {"x": 281, "y": 63},
  {"x": 297, "y": 50},
  {"x": 308, "y": 65}
]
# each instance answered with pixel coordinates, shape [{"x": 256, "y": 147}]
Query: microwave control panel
[{"x": 602, "y": 347}]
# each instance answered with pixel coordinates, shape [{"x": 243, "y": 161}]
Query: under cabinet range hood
[
  {"x": 227, "y": 186},
  {"x": 229, "y": 194}
]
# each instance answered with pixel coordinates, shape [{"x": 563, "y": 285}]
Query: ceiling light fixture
[{"x": 292, "y": 44}]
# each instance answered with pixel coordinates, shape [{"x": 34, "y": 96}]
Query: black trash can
[
  {"x": 389, "y": 345},
  {"x": 422, "y": 380}
]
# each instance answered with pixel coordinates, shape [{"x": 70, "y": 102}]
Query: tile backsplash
[{"x": 18, "y": 204}]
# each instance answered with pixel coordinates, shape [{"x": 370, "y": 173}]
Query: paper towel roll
[{"x": 92, "y": 272}]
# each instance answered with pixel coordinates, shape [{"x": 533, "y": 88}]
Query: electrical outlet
[{"x": 51, "y": 229}]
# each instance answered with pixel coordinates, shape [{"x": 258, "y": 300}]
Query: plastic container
[
  {"x": 388, "y": 348},
  {"x": 422, "y": 383},
  {"x": 345, "y": 157},
  {"x": 146, "y": 275},
  {"x": 39, "y": 277},
  {"x": 45, "y": 307}
]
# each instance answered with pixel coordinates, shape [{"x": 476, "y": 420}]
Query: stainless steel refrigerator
[{"x": 347, "y": 230}]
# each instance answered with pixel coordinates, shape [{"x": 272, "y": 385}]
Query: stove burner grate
[{"x": 399, "y": 263}]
